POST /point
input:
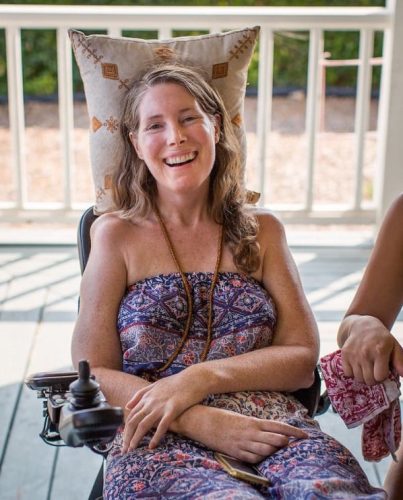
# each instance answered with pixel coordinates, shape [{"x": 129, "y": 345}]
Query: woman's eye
[
  {"x": 189, "y": 118},
  {"x": 153, "y": 126}
]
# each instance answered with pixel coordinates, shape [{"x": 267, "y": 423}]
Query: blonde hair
[{"x": 135, "y": 189}]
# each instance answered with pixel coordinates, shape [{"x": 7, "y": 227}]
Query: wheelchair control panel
[{"x": 76, "y": 412}]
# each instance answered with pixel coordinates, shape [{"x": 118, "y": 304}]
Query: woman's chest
[{"x": 152, "y": 256}]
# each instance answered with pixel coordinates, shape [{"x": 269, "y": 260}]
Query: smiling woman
[
  {"x": 193, "y": 317},
  {"x": 175, "y": 138}
]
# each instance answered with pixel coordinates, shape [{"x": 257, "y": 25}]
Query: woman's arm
[
  {"x": 103, "y": 284},
  {"x": 368, "y": 347}
]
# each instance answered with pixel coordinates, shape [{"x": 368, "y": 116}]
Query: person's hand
[
  {"x": 397, "y": 358},
  {"x": 369, "y": 350},
  {"x": 246, "y": 438},
  {"x": 158, "y": 405}
]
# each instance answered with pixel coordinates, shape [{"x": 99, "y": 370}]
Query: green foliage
[
  {"x": 39, "y": 62},
  {"x": 290, "y": 59},
  {"x": 290, "y": 56}
]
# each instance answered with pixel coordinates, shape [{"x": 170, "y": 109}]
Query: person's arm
[
  {"x": 287, "y": 365},
  {"x": 368, "y": 347},
  {"x": 103, "y": 285}
]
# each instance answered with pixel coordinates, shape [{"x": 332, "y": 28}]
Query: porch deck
[{"x": 38, "y": 295}]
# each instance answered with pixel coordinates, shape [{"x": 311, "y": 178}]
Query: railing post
[
  {"x": 16, "y": 112},
  {"x": 114, "y": 32},
  {"x": 312, "y": 107},
  {"x": 66, "y": 106},
  {"x": 164, "y": 33},
  {"x": 389, "y": 175},
  {"x": 363, "y": 97},
  {"x": 264, "y": 103}
]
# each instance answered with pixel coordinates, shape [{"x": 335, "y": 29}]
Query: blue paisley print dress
[{"x": 151, "y": 321}]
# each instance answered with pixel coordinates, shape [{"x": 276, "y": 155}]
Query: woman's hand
[
  {"x": 247, "y": 438},
  {"x": 370, "y": 350},
  {"x": 158, "y": 405}
]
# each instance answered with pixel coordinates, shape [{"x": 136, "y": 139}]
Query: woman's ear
[{"x": 133, "y": 140}]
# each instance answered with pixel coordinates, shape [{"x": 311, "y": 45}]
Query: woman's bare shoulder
[
  {"x": 110, "y": 226},
  {"x": 270, "y": 225}
]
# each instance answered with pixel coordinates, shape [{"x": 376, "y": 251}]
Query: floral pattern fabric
[
  {"x": 376, "y": 407},
  {"x": 151, "y": 320}
]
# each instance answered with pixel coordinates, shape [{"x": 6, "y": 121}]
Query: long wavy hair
[{"x": 135, "y": 189}]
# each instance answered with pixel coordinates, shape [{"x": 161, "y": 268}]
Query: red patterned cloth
[{"x": 376, "y": 407}]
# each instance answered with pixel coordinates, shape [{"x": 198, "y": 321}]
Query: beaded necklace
[{"x": 189, "y": 295}]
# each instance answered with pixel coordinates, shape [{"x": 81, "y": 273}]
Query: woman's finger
[
  {"x": 283, "y": 428},
  {"x": 160, "y": 432},
  {"x": 346, "y": 365},
  {"x": 136, "y": 398},
  {"x": 142, "y": 429},
  {"x": 368, "y": 370},
  {"x": 265, "y": 448},
  {"x": 246, "y": 455},
  {"x": 131, "y": 424},
  {"x": 272, "y": 439},
  {"x": 357, "y": 373},
  {"x": 139, "y": 407},
  {"x": 397, "y": 358}
]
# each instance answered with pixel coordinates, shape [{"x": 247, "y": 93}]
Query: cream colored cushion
[{"x": 107, "y": 65}]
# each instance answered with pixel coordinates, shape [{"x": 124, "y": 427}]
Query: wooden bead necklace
[{"x": 189, "y": 295}]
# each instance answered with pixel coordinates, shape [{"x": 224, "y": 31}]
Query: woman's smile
[{"x": 181, "y": 160}]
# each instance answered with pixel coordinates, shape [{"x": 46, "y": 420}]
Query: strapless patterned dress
[{"x": 151, "y": 320}]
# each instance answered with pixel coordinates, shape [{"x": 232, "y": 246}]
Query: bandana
[{"x": 376, "y": 407}]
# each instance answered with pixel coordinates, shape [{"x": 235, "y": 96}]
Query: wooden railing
[{"x": 388, "y": 178}]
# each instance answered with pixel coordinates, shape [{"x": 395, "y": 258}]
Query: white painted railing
[{"x": 389, "y": 171}]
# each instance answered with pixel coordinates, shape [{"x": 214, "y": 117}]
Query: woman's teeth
[{"x": 180, "y": 160}]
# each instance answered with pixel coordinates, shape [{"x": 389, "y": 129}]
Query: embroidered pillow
[{"x": 107, "y": 65}]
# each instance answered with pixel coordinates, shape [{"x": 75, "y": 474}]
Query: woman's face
[{"x": 176, "y": 138}]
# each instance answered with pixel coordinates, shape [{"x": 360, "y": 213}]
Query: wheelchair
[{"x": 75, "y": 410}]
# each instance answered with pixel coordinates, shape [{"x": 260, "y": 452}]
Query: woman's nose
[{"x": 176, "y": 135}]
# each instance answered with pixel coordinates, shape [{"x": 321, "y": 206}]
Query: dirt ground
[{"x": 286, "y": 152}]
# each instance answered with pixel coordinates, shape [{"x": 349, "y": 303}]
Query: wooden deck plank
[
  {"x": 38, "y": 291},
  {"x": 20, "y": 315},
  {"x": 78, "y": 463}
]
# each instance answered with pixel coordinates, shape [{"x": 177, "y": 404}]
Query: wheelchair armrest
[
  {"x": 53, "y": 381},
  {"x": 311, "y": 397}
]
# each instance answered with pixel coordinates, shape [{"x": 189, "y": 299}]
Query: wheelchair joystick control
[
  {"x": 85, "y": 391},
  {"x": 76, "y": 412}
]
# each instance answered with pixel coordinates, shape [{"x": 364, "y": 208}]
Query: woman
[
  {"x": 193, "y": 316},
  {"x": 369, "y": 349}
]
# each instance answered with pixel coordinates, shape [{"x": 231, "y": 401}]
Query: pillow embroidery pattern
[{"x": 108, "y": 65}]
